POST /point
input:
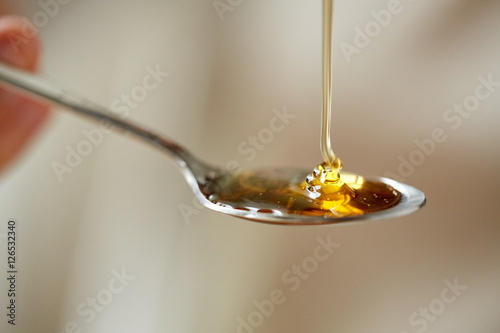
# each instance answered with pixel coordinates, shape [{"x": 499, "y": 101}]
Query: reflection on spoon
[{"x": 277, "y": 196}]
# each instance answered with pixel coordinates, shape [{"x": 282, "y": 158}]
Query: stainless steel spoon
[{"x": 205, "y": 180}]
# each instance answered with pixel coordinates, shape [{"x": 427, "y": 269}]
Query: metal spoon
[{"x": 205, "y": 180}]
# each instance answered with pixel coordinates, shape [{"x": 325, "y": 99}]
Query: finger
[{"x": 20, "y": 117}]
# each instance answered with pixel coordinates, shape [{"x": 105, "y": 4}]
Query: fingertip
[
  {"x": 20, "y": 116},
  {"x": 19, "y": 45}
]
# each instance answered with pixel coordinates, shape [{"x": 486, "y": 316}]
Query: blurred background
[{"x": 124, "y": 210}]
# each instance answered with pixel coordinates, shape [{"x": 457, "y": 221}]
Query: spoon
[{"x": 207, "y": 181}]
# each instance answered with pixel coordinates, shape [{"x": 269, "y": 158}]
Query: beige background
[{"x": 120, "y": 207}]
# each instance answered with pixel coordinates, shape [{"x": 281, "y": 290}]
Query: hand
[{"x": 20, "y": 117}]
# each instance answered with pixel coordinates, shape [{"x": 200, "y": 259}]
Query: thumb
[{"x": 20, "y": 117}]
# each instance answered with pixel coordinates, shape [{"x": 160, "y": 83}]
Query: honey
[
  {"x": 325, "y": 192},
  {"x": 333, "y": 191},
  {"x": 284, "y": 191}
]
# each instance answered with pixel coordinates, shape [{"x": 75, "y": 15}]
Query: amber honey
[{"x": 325, "y": 191}]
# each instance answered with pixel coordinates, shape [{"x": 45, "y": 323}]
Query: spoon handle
[{"x": 46, "y": 91}]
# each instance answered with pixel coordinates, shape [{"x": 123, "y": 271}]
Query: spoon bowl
[{"x": 248, "y": 203}]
